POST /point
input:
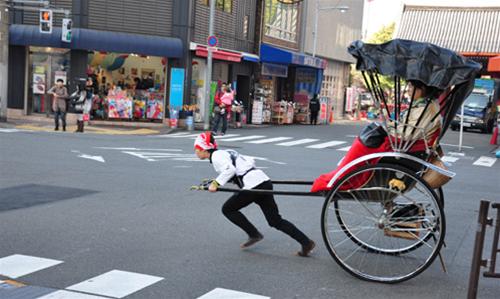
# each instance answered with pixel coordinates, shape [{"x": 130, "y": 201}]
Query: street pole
[
  {"x": 4, "y": 58},
  {"x": 460, "y": 138},
  {"x": 208, "y": 75},
  {"x": 315, "y": 36}
]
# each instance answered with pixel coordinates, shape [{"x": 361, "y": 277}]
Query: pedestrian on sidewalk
[
  {"x": 59, "y": 104},
  {"x": 82, "y": 101},
  {"x": 241, "y": 170},
  {"x": 314, "y": 107},
  {"x": 220, "y": 111}
]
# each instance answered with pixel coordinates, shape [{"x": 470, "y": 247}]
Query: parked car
[{"x": 479, "y": 113}]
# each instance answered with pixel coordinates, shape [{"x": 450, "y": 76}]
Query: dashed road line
[
  {"x": 115, "y": 283},
  {"x": 449, "y": 159},
  {"x": 485, "y": 161},
  {"x": 18, "y": 265},
  {"x": 326, "y": 144},
  {"x": 269, "y": 140},
  {"x": 61, "y": 294},
  {"x": 298, "y": 142},
  {"x": 220, "y": 293},
  {"x": 244, "y": 138},
  {"x": 344, "y": 149}
]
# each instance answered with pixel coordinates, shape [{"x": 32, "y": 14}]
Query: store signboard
[
  {"x": 60, "y": 75},
  {"x": 38, "y": 83},
  {"x": 176, "y": 88},
  {"x": 276, "y": 70}
]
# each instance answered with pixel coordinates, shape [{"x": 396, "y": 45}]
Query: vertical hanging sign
[{"x": 176, "y": 88}]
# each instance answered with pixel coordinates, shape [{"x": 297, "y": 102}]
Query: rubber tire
[{"x": 337, "y": 260}]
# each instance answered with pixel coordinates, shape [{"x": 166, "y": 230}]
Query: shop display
[
  {"x": 257, "y": 112},
  {"x": 301, "y": 108},
  {"x": 119, "y": 105},
  {"x": 264, "y": 93},
  {"x": 155, "y": 106}
]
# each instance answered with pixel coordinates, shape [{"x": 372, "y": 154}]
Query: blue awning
[
  {"x": 95, "y": 40},
  {"x": 250, "y": 57},
  {"x": 272, "y": 54},
  {"x": 25, "y": 35}
]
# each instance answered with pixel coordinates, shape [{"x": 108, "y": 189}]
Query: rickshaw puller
[{"x": 240, "y": 169}]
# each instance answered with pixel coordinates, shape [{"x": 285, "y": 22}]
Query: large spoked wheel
[{"x": 383, "y": 223}]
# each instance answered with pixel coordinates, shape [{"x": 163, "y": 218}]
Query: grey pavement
[{"x": 133, "y": 212}]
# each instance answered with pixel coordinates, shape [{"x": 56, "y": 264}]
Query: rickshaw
[{"x": 383, "y": 216}]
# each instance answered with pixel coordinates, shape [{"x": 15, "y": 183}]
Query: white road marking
[
  {"x": 344, "y": 149},
  {"x": 220, "y": 293},
  {"x": 455, "y": 145},
  {"x": 90, "y": 157},
  {"x": 244, "y": 138},
  {"x": 2, "y": 130},
  {"x": 449, "y": 159},
  {"x": 115, "y": 283},
  {"x": 456, "y": 154},
  {"x": 266, "y": 159},
  {"x": 180, "y": 136},
  {"x": 269, "y": 140},
  {"x": 226, "y": 136},
  {"x": 18, "y": 265},
  {"x": 326, "y": 144},
  {"x": 140, "y": 149},
  {"x": 297, "y": 142},
  {"x": 351, "y": 136},
  {"x": 485, "y": 161},
  {"x": 153, "y": 156},
  {"x": 69, "y": 295}
]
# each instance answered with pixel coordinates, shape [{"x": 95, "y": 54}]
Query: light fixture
[{"x": 289, "y": 1}]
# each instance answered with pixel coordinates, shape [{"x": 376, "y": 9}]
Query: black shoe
[
  {"x": 64, "y": 129},
  {"x": 307, "y": 249},
  {"x": 251, "y": 241},
  {"x": 56, "y": 129}
]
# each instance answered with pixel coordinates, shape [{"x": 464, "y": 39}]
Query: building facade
[
  {"x": 336, "y": 30},
  {"x": 129, "y": 51}
]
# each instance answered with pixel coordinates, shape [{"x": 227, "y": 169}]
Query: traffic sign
[
  {"x": 212, "y": 41},
  {"x": 66, "y": 30}
]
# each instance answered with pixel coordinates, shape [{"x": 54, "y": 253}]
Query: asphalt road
[{"x": 98, "y": 203}]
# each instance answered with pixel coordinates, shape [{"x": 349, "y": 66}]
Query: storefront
[
  {"x": 230, "y": 67},
  {"x": 129, "y": 70},
  {"x": 288, "y": 80}
]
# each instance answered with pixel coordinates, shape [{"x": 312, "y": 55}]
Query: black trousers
[
  {"x": 314, "y": 117},
  {"x": 231, "y": 209}
]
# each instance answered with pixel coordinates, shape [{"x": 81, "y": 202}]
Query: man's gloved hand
[{"x": 213, "y": 186}]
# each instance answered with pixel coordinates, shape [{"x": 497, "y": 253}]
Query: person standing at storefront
[
  {"x": 59, "y": 105},
  {"x": 220, "y": 111},
  {"x": 231, "y": 166},
  {"x": 314, "y": 107},
  {"x": 82, "y": 101}
]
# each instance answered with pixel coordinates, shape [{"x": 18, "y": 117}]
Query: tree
[{"x": 385, "y": 34}]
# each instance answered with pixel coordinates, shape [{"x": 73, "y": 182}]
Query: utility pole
[
  {"x": 208, "y": 75},
  {"x": 4, "y": 58}
]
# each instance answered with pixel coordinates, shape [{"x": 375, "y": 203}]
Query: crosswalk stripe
[
  {"x": 297, "y": 142},
  {"x": 115, "y": 283},
  {"x": 485, "y": 161},
  {"x": 220, "y": 293},
  {"x": 69, "y": 295},
  {"x": 269, "y": 140},
  {"x": 344, "y": 149},
  {"x": 2, "y": 130},
  {"x": 244, "y": 138},
  {"x": 449, "y": 159},
  {"x": 326, "y": 144},
  {"x": 180, "y": 136},
  {"x": 226, "y": 136},
  {"x": 18, "y": 265}
]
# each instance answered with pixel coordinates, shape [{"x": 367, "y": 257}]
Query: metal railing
[{"x": 477, "y": 259}]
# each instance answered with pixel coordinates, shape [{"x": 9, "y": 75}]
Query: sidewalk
[{"x": 98, "y": 127}]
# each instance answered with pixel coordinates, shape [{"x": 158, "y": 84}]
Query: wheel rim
[{"x": 378, "y": 233}]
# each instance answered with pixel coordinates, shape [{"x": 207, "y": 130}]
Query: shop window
[
  {"x": 245, "y": 26},
  {"x": 281, "y": 20},
  {"x": 224, "y": 5}
]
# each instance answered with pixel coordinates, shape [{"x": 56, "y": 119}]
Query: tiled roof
[{"x": 462, "y": 29}]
